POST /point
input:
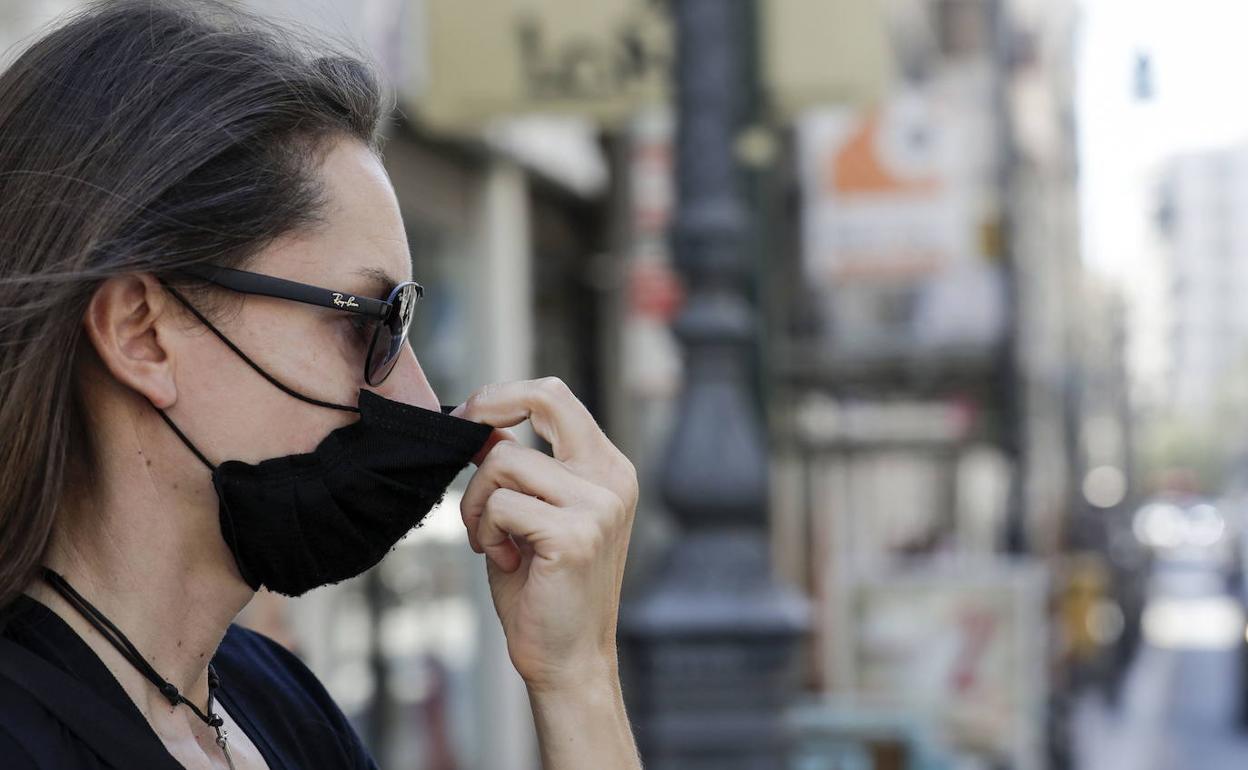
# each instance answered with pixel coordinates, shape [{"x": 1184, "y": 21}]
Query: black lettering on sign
[{"x": 594, "y": 67}]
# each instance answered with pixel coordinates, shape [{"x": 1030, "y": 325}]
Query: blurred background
[{"x": 921, "y": 320}]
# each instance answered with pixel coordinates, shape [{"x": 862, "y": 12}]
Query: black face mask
[{"x": 301, "y": 521}]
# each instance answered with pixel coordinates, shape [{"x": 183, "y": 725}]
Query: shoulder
[
  {"x": 273, "y": 685},
  {"x": 31, "y": 734},
  {"x": 19, "y": 753},
  {"x": 29, "y": 731}
]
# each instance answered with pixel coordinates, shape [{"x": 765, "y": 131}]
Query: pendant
[{"x": 223, "y": 738}]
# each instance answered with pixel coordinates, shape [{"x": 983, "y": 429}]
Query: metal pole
[
  {"x": 381, "y": 704},
  {"x": 1015, "y": 401},
  {"x": 712, "y": 640}
]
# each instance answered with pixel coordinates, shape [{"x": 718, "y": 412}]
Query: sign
[
  {"x": 822, "y": 52},
  {"x": 607, "y": 59},
  {"x": 891, "y": 230},
  {"x": 504, "y": 58},
  {"x": 882, "y": 191},
  {"x": 964, "y": 648}
]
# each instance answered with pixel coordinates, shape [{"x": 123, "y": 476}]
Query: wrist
[
  {"x": 596, "y": 675},
  {"x": 585, "y": 725}
]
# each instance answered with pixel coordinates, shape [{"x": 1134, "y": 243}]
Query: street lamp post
[{"x": 712, "y": 640}]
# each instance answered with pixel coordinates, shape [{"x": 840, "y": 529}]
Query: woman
[{"x": 205, "y": 388}]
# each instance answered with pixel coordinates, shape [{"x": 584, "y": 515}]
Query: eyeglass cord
[
  {"x": 272, "y": 380},
  {"x": 132, "y": 655}
]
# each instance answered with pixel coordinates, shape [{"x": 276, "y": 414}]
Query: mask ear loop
[
  {"x": 186, "y": 440},
  {"x": 272, "y": 380}
]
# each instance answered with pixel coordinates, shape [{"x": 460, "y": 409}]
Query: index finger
[{"x": 556, "y": 414}]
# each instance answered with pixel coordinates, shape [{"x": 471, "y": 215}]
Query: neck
[{"x": 145, "y": 566}]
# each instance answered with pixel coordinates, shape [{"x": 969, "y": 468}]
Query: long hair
[{"x": 140, "y": 136}]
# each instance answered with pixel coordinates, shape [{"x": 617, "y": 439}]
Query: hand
[{"x": 555, "y": 531}]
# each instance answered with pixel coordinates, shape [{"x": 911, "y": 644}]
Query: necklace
[{"x": 136, "y": 659}]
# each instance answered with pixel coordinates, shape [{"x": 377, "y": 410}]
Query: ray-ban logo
[{"x": 348, "y": 302}]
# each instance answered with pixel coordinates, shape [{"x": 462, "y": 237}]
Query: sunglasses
[{"x": 386, "y": 321}]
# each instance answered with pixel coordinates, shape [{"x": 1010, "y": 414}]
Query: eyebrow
[{"x": 378, "y": 280}]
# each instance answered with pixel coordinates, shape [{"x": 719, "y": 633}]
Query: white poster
[
  {"x": 966, "y": 648},
  {"x": 894, "y": 227}
]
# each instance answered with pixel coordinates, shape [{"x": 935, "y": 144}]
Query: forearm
[{"x": 584, "y": 727}]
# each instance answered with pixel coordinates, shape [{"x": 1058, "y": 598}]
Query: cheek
[
  {"x": 257, "y": 422},
  {"x": 349, "y": 341},
  {"x": 316, "y": 353},
  {"x": 246, "y": 416},
  {"x": 300, "y": 427}
]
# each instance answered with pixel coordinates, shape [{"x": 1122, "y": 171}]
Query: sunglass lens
[{"x": 389, "y": 337}]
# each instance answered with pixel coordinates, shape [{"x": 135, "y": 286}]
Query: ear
[{"x": 121, "y": 322}]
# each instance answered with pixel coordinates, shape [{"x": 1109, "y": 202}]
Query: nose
[{"x": 407, "y": 383}]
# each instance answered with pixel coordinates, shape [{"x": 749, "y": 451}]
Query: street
[{"x": 1180, "y": 703}]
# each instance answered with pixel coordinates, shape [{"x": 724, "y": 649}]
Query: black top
[{"x": 269, "y": 692}]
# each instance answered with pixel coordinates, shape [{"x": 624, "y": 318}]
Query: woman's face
[{"x": 228, "y": 409}]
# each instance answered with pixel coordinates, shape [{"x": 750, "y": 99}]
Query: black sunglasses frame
[{"x": 386, "y": 311}]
